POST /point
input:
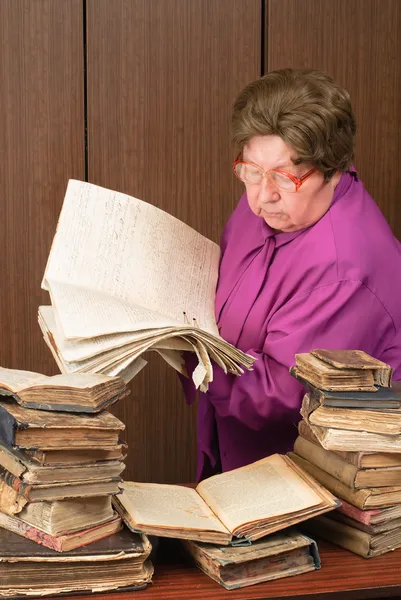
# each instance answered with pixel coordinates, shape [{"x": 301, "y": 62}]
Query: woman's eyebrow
[{"x": 284, "y": 165}]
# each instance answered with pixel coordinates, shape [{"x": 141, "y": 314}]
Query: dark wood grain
[
  {"x": 358, "y": 42},
  {"x": 343, "y": 576},
  {"x": 41, "y": 147},
  {"x": 162, "y": 76}
]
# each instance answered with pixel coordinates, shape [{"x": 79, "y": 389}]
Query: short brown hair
[{"x": 307, "y": 109}]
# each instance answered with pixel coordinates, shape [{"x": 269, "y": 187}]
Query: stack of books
[
  {"x": 125, "y": 277},
  {"x": 61, "y": 460},
  {"x": 233, "y": 523},
  {"x": 350, "y": 441}
]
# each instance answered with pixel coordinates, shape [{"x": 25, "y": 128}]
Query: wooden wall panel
[
  {"x": 358, "y": 42},
  {"x": 162, "y": 75},
  {"x": 41, "y": 146}
]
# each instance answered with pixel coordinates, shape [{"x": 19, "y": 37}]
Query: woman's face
[{"x": 281, "y": 210}]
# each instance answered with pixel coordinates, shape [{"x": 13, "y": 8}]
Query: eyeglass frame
[{"x": 298, "y": 181}]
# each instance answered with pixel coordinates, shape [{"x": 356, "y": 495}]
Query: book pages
[
  {"x": 267, "y": 488},
  {"x": 113, "y": 248}
]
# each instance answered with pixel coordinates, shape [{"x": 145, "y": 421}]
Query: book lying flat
[
  {"x": 72, "y": 456},
  {"x": 372, "y": 529},
  {"x": 31, "y": 570},
  {"x": 67, "y": 516},
  {"x": 75, "y": 392},
  {"x": 64, "y": 542},
  {"x": 125, "y": 277},
  {"x": 352, "y": 439},
  {"x": 370, "y": 517},
  {"x": 382, "y": 398},
  {"x": 38, "y": 429},
  {"x": 249, "y": 502},
  {"x": 348, "y": 370},
  {"x": 363, "y": 498},
  {"x": 279, "y": 555},
  {"x": 350, "y": 475},
  {"x": 362, "y": 460},
  {"x": 34, "y": 492},
  {"x": 21, "y": 465},
  {"x": 355, "y": 540}
]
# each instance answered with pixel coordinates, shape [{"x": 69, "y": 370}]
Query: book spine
[
  {"x": 362, "y": 516},
  {"x": 15, "y": 483},
  {"x": 326, "y": 460},
  {"x": 8, "y": 425},
  {"x": 19, "y": 527}
]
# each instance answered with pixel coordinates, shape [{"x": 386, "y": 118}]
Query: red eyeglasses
[{"x": 253, "y": 174}]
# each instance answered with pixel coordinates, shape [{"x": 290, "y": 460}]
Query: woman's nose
[{"x": 267, "y": 192}]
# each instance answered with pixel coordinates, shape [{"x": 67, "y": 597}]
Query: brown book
[
  {"x": 362, "y": 460},
  {"x": 349, "y": 440},
  {"x": 38, "y": 429},
  {"x": 250, "y": 502},
  {"x": 371, "y": 529},
  {"x": 350, "y": 475},
  {"x": 385, "y": 423},
  {"x": 21, "y": 465},
  {"x": 355, "y": 540},
  {"x": 83, "y": 392},
  {"x": 68, "y": 516},
  {"x": 363, "y": 498},
  {"x": 279, "y": 555},
  {"x": 58, "y": 491},
  {"x": 30, "y": 570},
  {"x": 87, "y": 456},
  {"x": 60, "y": 543},
  {"x": 348, "y": 370},
  {"x": 370, "y": 517}
]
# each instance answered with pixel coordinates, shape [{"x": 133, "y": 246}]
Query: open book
[
  {"x": 75, "y": 393},
  {"x": 250, "y": 502},
  {"x": 125, "y": 277}
]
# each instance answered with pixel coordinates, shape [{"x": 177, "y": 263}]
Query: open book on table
[
  {"x": 250, "y": 502},
  {"x": 125, "y": 277}
]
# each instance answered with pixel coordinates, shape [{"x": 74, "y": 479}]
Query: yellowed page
[
  {"x": 165, "y": 505},
  {"x": 16, "y": 380},
  {"x": 129, "y": 250},
  {"x": 266, "y": 488}
]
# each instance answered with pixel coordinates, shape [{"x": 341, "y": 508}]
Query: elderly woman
[{"x": 308, "y": 261}]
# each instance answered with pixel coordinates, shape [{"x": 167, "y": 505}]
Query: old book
[
  {"x": 279, "y": 555},
  {"x": 75, "y": 392},
  {"x": 34, "y": 492},
  {"x": 67, "y": 516},
  {"x": 363, "y": 498},
  {"x": 382, "y": 398},
  {"x": 38, "y": 429},
  {"x": 64, "y": 542},
  {"x": 350, "y": 475},
  {"x": 30, "y": 570},
  {"x": 125, "y": 277},
  {"x": 348, "y": 370},
  {"x": 370, "y": 517},
  {"x": 21, "y": 465},
  {"x": 249, "y": 502},
  {"x": 385, "y": 423},
  {"x": 350, "y": 440},
  {"x": 362, "y": 460},
  {"x": 355, "y": 540},
  {"x": 71, "y": 456},
  {"x": 371, "y": 529}
]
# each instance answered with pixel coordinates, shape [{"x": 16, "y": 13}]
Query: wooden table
[{"x": 343, "y": 576}]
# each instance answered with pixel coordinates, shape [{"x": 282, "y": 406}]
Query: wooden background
[{"x": 136, "y": 95}]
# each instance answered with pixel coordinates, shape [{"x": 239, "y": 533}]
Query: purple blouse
[{"x": 336, "y": 284}]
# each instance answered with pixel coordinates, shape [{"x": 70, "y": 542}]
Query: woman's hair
[{"x": 307, "y": 109}]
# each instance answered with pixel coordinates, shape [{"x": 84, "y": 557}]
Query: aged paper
[
  {"x": 122, "y": 248},
  {"x": 267, "y": 488}
]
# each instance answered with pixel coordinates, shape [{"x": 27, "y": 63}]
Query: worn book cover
[
  {"x": 86, "y": 392},
  {"x": 31, "y": 570},
  {"x": 250, "y": 502},
  {"x": 366, "y": 498},
  {"x": 38, "y": 429},
  {"x": 346, "y": 370},
  {"x": 283, "y": 554},
  {"x": 353, "y": 539}
]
